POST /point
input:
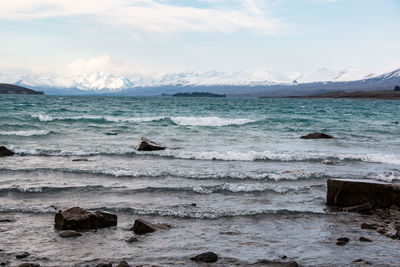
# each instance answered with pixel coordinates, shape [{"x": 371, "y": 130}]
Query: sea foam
[{"x": 26, "y": 133}]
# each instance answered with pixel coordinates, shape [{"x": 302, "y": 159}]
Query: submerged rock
[
  {"x": 147, "y": 145},
  {"x": 123, "y": 264},
  {"x": 83, "y": 159},
  {"x": 69, "y": 233},
  {"x": 207, "y": 257},
  {"x": 28, "y": 264},
  {"x": 366, "y": 239},
  {"x": 22, "y": 255},
  {"x": 5, "y": 152},
  {"x": 370, "y": 226},
  {"x": 79, "y": 219},
  {"x": 350, "y": 193},
  {"x": 316, "y": 136},
  {"x": 104, "y": 264},
  {"x": 143, "y": 227},
  {"x": 132, "y": 239}
]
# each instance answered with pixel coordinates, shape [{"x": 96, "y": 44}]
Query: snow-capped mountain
[{"x": 107, "y": 82}]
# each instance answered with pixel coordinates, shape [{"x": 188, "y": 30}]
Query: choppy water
[{"x": 259, "y": 189}]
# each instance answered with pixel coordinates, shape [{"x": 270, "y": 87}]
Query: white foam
[
  {"x": 26, "y": 133},
  {"x": 208, "y": 121},
  {"x": 42, "y": 117},
  {"x": 388, "y": 176}
]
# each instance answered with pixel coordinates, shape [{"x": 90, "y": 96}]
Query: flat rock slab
[
  {"x": 141, "y": 227},
  {"x": 345, "y": 193},
  {"x": 80, "y": 219}
]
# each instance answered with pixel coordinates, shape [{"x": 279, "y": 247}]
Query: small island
[
  {"x": 6, "y": 88},
  {"x": 198, "y": 94}
]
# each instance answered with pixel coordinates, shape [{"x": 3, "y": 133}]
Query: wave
[
  {"x": 388, "y": 176},
  {"x": 156, "y": 173},
  {"x": 189, "y": 213},
  {"x": 268, "y": 155},
  {"x": 42, "y": 117},
  {"x": 184, "y": 121},
  {"x": 26, "y": 133},
  {"x": 51, "y": 189},
  {"x": 201, "y": 189},
  {"x": 208, "y": 121}
]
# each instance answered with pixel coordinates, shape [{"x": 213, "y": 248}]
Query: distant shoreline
[
  {"x": 377, "y": 95},
  {"x": 10, "y": 89}
]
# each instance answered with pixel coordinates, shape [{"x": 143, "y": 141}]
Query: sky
[{"x": 164, "y": 36}]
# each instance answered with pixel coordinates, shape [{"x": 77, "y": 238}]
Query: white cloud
[{"x": 151, "y": 16}]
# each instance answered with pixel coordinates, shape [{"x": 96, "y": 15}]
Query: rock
[
  {"x": 5, "y": 152},
  {"x": 193, "y": 204},
  {"x": 69, "y": 233},
  {"x": 350, "y": 193},
  {"x": 143, "y": 227},
  {"x": 366, "y": 239},
  {"x": 316, "y": 136},
  {"x": 147, "y": 145},
  {"x": 382, "y": 231},
  {"x": 290, "y": 264},
  {"x": 328, "y": 162},
  {"x": 132, "y": 239},
  {"x": 27, "y": 264},
  {"x": 207, "y": 257},
  {"x": 4, "y": 263},
  {"x": 79, "y": 219},
  {"x": 359, "y": 208},
  {"x": 80, "y": 160},
  {"x": 342, "y": 241},
  {"x": 22, "y": 255},
  {"x": 104, "y": 264},
  {"x": 6, "y": 220},
  {"x": 123, "y": 264},
  {"x": 371, "y": 226}
]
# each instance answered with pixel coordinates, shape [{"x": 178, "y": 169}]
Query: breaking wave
[
  {"x": 26, "y": 133},
  {"x": 208, "y": 121},
  {"x": 268, "y": 155},
  {"x": 184, "y": 121}
]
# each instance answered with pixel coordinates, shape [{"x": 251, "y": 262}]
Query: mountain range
[{"x": 265, "y": 83}]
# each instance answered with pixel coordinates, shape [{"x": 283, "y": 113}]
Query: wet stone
[
  {"x": 103, "y": 264},
  {"x": 207, "y": 257},
  {"x": 369, "y": 226}
]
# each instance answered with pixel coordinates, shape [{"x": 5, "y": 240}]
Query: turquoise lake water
[{"x": 240, "y": 160}]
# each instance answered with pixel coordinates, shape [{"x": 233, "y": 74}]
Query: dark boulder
[
  {"x": 350, "y": 193},
  {"x": 69, "y": 233},
  {"x": 5, "y": 152},
  {"x": 104, "y": 264},
  {"x": 207, "y": 257},
  {"x": 79, "y": 219},
  {"x": 316, "y": 136},
  {"x": 141, "y": 227},
  {"x": 147, "y": 145}
]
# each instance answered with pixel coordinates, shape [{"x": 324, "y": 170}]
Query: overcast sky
[{"x": 199, "y": 35}]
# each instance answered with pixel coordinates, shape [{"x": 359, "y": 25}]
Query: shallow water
[{"x": 259, "y": 189}]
